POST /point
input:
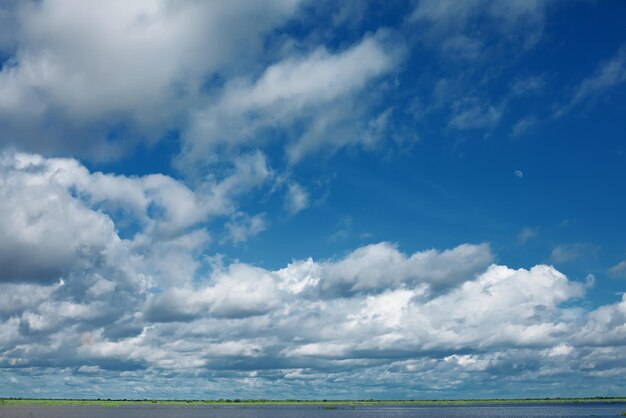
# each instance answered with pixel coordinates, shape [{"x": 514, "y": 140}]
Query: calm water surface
[{"x": 308, "y": 411}]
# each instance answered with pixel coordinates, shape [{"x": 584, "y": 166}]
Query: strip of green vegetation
[{"x": 328, "y": 404}]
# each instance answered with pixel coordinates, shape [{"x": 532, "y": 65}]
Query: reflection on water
[{"x": 598, "y": 410}]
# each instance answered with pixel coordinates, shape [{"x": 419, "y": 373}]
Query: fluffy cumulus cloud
[
  {"x": 380, "y": 266},
  {"x": 94, "y": 80},
  {"x": 120, "y": 67},
  {"x": 107, "y": 306},
  {"x": 65, "y": 262},
  {"x": 297, "y": 198},
  {"x": 38, "y": 214}
]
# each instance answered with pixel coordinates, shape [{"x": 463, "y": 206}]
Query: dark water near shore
[{"x": 600, "y": 410}]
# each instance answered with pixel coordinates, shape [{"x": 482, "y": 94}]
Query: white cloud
[
  {"x": 523, "y": 126},
  {"x": 64, "y": 261},
  {"x": 439, "y": 10},
  {"x": 163, "y": 206},
  {"x": 16, "y": 297},
  {"x": 140, "y": 64},
  {"x": 461, "y": 12},
  {"x": 472, "y": 114},
  {"x": 380, "y": 323},
  {"x": 512, "y": 20},
  {"x": 240, "y": 291},
  {"x": 528, "y": 85},
  {"x": 522, "y": 305},
  {"x": 512, "y": 298},
  {"x": 105, "y": 279},
  {"x": 8, "y": 26},
  {"x": 247, "y": 172},
  {"x": 318, "y": 90},
  {"x": 39, "y": 192},
  {"x": 37, "y": 212},
  {"x": 319, "y": 77},
  {"x": 379, "y": 266},
  {"x": 101, "y": 287},
  {"x": 243, "y": 290},
  {"x": 94, "y": 80},
  {"x": 344, "y": 228},
  {"x": 618, "y": 270},
  {"x": 472, "y": 62},
  {"x": 243, "y": 227},
  {"x": 570, "y": 252},
  {"x": 297, "y": 198},
  {"x": 462, "y": 47},
  {"x": 604, "y": 326},
  {"x": 608, "y": 74},
  {"x": 122, "y": 239},
  {"x": 527, "y": 233}
]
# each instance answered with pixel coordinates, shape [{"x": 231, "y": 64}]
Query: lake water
[{"x": 598, "y": 410}]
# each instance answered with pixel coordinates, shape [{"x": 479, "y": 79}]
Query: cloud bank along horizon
[{"x": 312, "y": 200}]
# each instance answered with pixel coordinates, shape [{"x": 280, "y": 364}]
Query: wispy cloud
[
  {"x": 472, "y": 113},
  {"x": 618, "y": 270},
  {"x": 242, "y": 227},
  {"x": 528, "y": 85},
  {"x": 321, "y": 92},
  {"x": 519, "y": 20},
  {"x": 297, "y": 198},
  {"x": 609, "y": 73},
  {"x": 526, "y": 234},
  {"x": 344, "y": 228},
  {"x": 569, "y": 252}
]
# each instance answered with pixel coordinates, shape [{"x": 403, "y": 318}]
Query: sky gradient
[{"x": 311, "y": 199}]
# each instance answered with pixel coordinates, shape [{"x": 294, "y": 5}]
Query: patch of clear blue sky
[{"x": 454, "y": 186}]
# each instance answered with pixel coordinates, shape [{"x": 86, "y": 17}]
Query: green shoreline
[{"x": 322, "y": 403}]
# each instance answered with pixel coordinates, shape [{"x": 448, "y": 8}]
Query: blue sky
[{"x": 296, "y": 199}]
